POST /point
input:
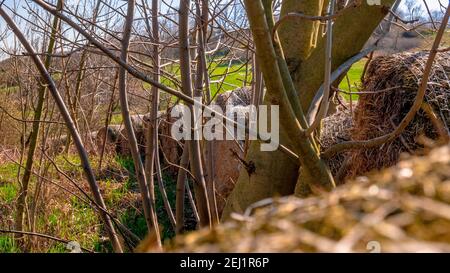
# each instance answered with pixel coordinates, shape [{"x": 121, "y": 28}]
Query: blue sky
[{"x": 432, "y": 3}]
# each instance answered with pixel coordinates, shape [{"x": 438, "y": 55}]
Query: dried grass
[
  {"x": 379, "y": 113},
  {"x": 402, "y": 209},
  {"x": 336, "y": 129}
]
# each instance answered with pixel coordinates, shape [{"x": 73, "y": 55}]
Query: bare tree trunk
[
  {"x": 181, "y": 190},
  {"x": 108, "y": 121},
  {"x": 21, "y": 201},
  {"x": 194, "y": 145},
  {"x": 149, "y": 209},
  {"x": 79, "y": 79},
  {"x": 202, "y": 79},
  {"x": 152, "y": 150}
]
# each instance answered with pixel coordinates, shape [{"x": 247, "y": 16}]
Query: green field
[
  {"x": 223, "y": 77},
  {"x": 354, "y": 78},
  {"x": 228, "y": 78}
]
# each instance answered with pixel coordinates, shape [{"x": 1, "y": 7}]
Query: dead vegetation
[
  {"x": 405, "y": 208},
  {"x": 386, "y": 95},
  {"x": 336, "y": 128},
  {"x": 390, "y": 88}
]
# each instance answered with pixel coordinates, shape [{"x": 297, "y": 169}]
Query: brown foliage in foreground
[{"x": 404, "y": 208}]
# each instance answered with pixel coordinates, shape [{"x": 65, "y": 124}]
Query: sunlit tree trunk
[
  {"x": 21, "y": 201},
  {"x": 304, "y": 49},
  {"x": 195, "y": 153}
]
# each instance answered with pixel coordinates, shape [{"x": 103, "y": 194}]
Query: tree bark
[
  {"x": 201, "y": 194},
  {"x": 276, "y": 173},
  {"x": 149, "y": 209},
  {"x": 21, "y": 200}
]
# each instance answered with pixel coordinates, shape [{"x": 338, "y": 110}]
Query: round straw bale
[{"x": 392, "y": 83}]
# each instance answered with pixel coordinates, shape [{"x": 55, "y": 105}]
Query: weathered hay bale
[
  {"x": 410, "y": 34},
  {"x": 238, "y": 97},
  {"x": 90, "y": 141},
  {"x": 138, "y": 121},
  {"x": 170, "y": 150},
  {"x": 123, "y": 146},
  {"x": 56, "y": 145},
  {"x": 227, "y": 152},
  {"x": 402, "y": 209},
  {"x": 112, "y": 133},
  {"x": 117, "y": 135},
  {"x": 336, "y": 129},
  {"x": 117, "y": 139},
  {"x": 227, "y": 168},
  {"x": 379, "y": 113}
]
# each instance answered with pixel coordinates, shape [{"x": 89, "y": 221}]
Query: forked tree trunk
[
  {"x": 149, "y": 209},
  {"x": 304, "y": 48}
]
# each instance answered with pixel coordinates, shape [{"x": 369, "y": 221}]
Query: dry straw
[
  {"x": 402, "y": 209},
  {"x": 390, "y": 87}
]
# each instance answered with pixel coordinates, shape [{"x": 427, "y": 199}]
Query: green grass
[
  {"x": 228, "y": 77},
  {"x": 8, "y": 171},
  {"x": 7, "y": 244},
  {"x": 116, "y": 119},
  {"x": 224, "y": 78},
  {"x": 69, "y": 163},
  {"x": 8, "y": 193},
  {"x": 233, "y": 77},
  {"x": 134, "y": 220},
  {"x": 354, "y": 76},
  {"x": 8, "y": 185},
  {"x": 57, "y": 248},
  {"x": 10, "y": 89},
  {"x": 170, "y": 186},
  {"x": 71, "y": 219},
  {"x": 127, "y": 163}
]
